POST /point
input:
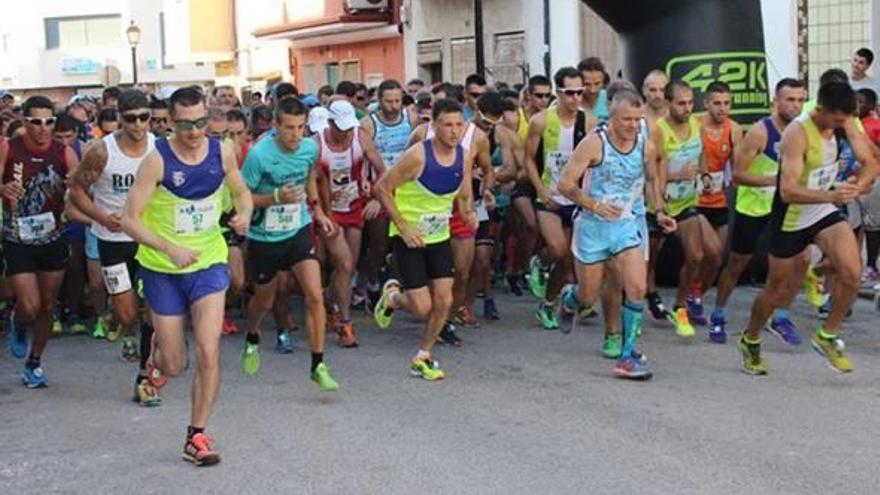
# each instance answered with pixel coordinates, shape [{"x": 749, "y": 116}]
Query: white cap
[
  {"x": 318, "y": 119},
  {"x": 342, "y": 114}
]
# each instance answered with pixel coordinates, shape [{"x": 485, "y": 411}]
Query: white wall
[
  {"x": 780, "y": 39},
  {"x": 565, "y": 35}
]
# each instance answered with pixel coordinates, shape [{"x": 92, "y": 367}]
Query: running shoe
[
  {"x": 537, "y": 279},
  {"x": 130, "y": 352},
  {"x": 682, "y": 324},
  {"x": 717, "y": 332},
  {"x": 633, "y": 368},
  {"x": 199, "y": 450},
  {"x": 611, "y": 345},
  {"x": 145, "y": 394},
  {"x": 229, "y": 326},
  {"x": 100, "y": 330},
  {"x": 657, "y": 308},
  {"x": 321, "y": 377},
  {"x": 250, "y": 358},
  {"x": 155, "y": 376},
  {"x": 334, "y": 316},
  {"x": 834, "y": 351},
  {"x": 448, "y": 335},
  {"x": 566, "y": 318},
  {"x": 426, "y": 369},
  {"x": 34, "y": 377},
  {"x": 465, "y": 317},
  {"x": 383, "y": 312},
  {"x": 358, "y": 301},
  {"x": 752, "y": 361},
  {"x": 585, "y": 314},
  {"x": 513, "y": 285},
  {"x": 813, "y": 289},
  {"x": 77, "y": 326},
  {"x": 490, "y": 310},
  {"x": 112, "y": 333},
  {"x": 57, "y": 328},
  {"x": 695, "y": 310},
  {"x": 784, "y": 330},
  {"x": 284, "y": 342},
  {"x": 347, "y": 335},
  {"x": 18, "y": 340},
  {"x": 546, "y": 314}
]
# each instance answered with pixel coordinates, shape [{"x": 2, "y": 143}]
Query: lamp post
[{"x": 134, "y": 36}]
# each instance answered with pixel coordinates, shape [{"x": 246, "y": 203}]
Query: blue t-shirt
[{"x": 267, "y": 167}]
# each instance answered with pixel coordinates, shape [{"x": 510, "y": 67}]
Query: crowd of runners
[{"x": 139, "y": 215}]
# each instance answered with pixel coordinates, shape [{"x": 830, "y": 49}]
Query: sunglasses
[
  {"x": 490, "y": 121},
  {"x": 572, "y": 92},
  {"x": 476, "y": 95},
  {"x": 131, "y": 118},
  {"x": 38, "y": 121},
  {"x": 157, "y": 120},
  {"x": 360, "y": 98},
  {"x": 543, "y": 96},
  {"x": 188, "y": 125}
]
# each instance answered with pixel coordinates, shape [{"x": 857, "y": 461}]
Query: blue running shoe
[
  {"x": 695, "y": 311},
  {"x": 18, "y": 341},
  {"x": 34, "y": 377},
  {"x": 284, "y": 342},
  {"x": 490, "y": 311},
  {"x": 717, "y": 334},
  {"x": 633, "y": 367},
  {"x": 784, "y": 330}
]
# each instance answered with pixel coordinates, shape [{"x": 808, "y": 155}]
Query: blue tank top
[
  {"x": 771, "y": 149},
  {"x": 391, "y": 139},
  {"x": 192, "y": 181},
  {"x": 441, "y": 179},
  {"x": 619, "y": 178}
]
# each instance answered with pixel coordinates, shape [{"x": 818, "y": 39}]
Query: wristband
[{"x": 275, "y": 195}]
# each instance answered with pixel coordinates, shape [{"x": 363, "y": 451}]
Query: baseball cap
[
  {"x": 6, "y": 94},
  {"x": 318, "y": 119},
  {"x": 342, "y": 114}
]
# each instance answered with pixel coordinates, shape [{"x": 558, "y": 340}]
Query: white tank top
[
  {"x": 111, "y": 189},
  {"x": 346, "y": 171}
]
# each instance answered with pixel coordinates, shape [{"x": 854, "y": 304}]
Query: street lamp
[{"x": 134, "y": 36}]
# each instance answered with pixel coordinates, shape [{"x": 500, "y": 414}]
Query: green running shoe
[
  {"x": 321, "y": 377},
  {"x": 753, "y": 363},
  {"x": 682, "y": 323},
  {"x": 100, "y": 330},
  {"x": 78, "y": 328},
  {"x": 537, "y": 278},
  {"x": 611, "y": 345},
  {"x": 426, "y": 369},
  {"x": 546, "y": 314},
  {"x": 383, "y": 312},
  {"x": 56, "y": 326},
  {"x": 250, "y": 359},
  {"x": 834, "y": 351}
]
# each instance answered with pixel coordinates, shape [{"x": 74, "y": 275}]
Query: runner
[
  {"x": 107, "y": 173},
  {"x": 280, "y": 171},
  {"x": 35, "y": 253},
  {"x": 610, "y": 220},
  {"x": 720, "y": 136},
  {"x": 173, "y": 212},
  {"x": 342, "y": 150},
  {"x": 681, "y": 155},
  {"x": 754, "y": 173},
  {"x": 595, "y": 99},
  {"x": 804, "y": 213},
  {"x": 553, "y": 135},
  {"x": 418, "y": 194}
]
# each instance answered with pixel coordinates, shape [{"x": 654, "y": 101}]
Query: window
[
  {"x": 351, "y": 71},
  {"x": 509, "y": 58},
  {"x": 310, "y": 76},
  {"x": 836, "y": 29},
  {"x": 430, "y": 60},
  {"x": 78, "y": 32},
  {"x": 332, "y": 70},
  {"x": 464, "y": 59}
]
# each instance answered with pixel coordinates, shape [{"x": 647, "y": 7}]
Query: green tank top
[
  {"x": 558, "y": 143},
  {"x": 819, "y": 172},
  {"x": 681, "y": 195},
  {"x": 758, "y": 201},
  {"x": 426, "y": 202}
]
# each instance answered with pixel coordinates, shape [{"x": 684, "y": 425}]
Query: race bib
[
  {"x": 711, "y": 183},
  {"x": 557, "y": 160},
  {"x": 116, "y": 279},
  {"x": 431, "y": 224},
  {"x": 681, "y": 190},
  {"x": 283, "y": 218},
  {"x": 36, "y": 226},
  {"x": 341, "y": 197},
  {"x": 822, "y": 178},
  {"x": 482, "y": 212},
  {"x": 195, "y": 217}
]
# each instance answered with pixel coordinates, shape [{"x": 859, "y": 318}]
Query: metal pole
[
  {"x": 547, "y": 38},
  {"x": 134, "y": 67},
  {"x": 478, "y": 37}
]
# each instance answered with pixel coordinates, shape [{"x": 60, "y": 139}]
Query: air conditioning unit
[{"x": 358, "y": 5}]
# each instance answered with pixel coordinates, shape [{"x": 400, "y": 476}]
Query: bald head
[{"x": 653, "y": 87}]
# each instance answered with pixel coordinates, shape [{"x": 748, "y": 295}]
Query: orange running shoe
[
  {"x": 199, "y": 450},
  {"x": 347, "y": 335},
  {"x": 229, "y": 325},
  {"x": 465, "y": 317}
]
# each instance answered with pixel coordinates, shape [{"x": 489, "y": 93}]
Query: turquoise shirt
[{"x": 268, "y": 167}]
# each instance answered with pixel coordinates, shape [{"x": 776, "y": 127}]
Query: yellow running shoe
[
  {"x": 752, "y": 363},
  {"x": 683, "y": 324},
  {"x": 834, "y": 351},
  {"x": 813, "y": 289}
]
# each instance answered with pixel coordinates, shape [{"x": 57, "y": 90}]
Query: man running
[
  {"x": 173, "y": 213},
  {"x": 595, "y": 99},
  {"x": 681, "y": 154},
  {"x": 418, "y": 194},
  {"x": 281, "y": 173},
  {"x": 553, "y": 135},
  {"x": 34, "y": 170},
  {"x": 805, "y": 212},
  {"x": 755, "y": 168},
  {"x": 342, "y": 155},
  {"x": 610, "y": 219},
  {"x": 107, "y": 173}
]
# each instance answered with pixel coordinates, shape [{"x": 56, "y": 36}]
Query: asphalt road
[{"x": 522, "y": 411}]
